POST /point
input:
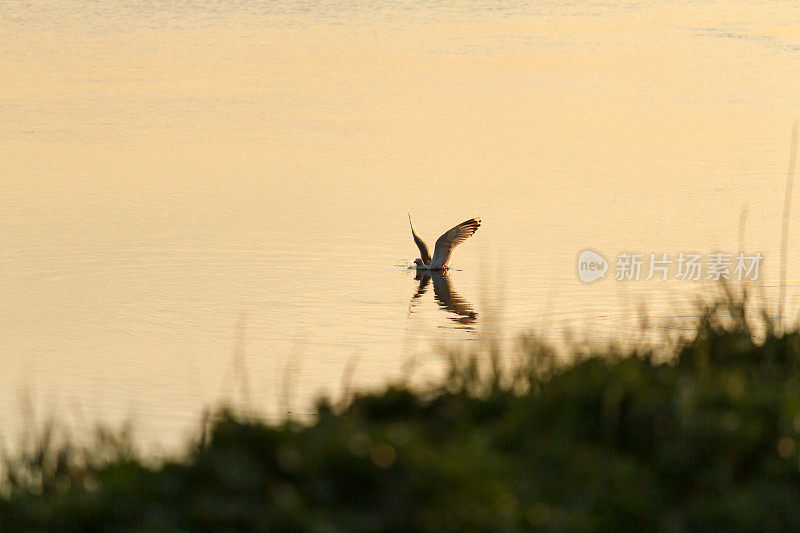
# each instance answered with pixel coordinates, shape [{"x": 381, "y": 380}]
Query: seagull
[{"x": 444, "y": 244}]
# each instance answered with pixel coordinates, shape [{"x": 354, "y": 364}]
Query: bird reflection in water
[{"x": 447, "y": 298}]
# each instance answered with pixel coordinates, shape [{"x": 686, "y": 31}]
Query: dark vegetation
[{"x": 705, "y": 439}]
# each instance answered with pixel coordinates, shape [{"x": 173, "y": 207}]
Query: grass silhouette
[{"x": 704, "y": 439}]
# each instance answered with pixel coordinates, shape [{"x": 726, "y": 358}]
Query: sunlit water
[{"x": 205, "y": 201}]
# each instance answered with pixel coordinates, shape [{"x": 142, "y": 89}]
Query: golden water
[{"x": 189, "y": 188}]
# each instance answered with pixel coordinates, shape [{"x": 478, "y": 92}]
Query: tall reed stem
[{"x": 787, "y": 205}]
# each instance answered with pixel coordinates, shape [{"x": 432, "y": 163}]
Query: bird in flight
[{"x": 444, "y": 244}]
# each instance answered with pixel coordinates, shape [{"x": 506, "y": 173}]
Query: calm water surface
[{"x": 191, "y": 188}]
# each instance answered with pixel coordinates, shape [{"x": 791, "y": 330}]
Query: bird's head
[{"x": 418, "y": 262}]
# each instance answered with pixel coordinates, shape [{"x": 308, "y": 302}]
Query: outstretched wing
[
  {"x": 425, "y": 255},
  {"x": 445, "y": 244}
]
